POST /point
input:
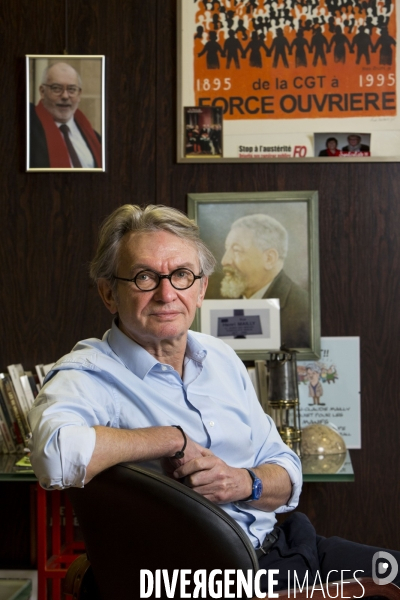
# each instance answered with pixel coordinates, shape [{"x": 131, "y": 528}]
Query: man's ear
[
  {"x": 107, "y": 295},
  {"x": 271, "y": 258},
  {"x": 202, "y": 293},
  {"x": 41, "y": 90}
]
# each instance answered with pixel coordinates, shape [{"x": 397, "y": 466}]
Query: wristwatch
[{"x": 257, "y": 490}]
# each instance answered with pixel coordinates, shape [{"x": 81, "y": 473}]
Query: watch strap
[{"x": 254, "y": 478}]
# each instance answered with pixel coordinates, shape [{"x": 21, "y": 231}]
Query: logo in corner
[{"x": 380, "y": 566}]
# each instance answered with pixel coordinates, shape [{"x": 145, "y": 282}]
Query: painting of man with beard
[{"x": 253, "y": 267}]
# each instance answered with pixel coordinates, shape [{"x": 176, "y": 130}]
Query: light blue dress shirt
[{"x": 116, "y": 383}]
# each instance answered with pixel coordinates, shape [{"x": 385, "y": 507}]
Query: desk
[{"x": 10, "y": 472}]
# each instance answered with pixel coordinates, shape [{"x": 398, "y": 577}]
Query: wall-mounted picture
[
  {"x": 349, "y": 144},
  {"x": 203, "y": 131},
  {"x": 284, "y": 71},
  {"x": 65, "y": 113},
  {"x": 243, "y": 324},
  {"x": 266, "y": 246}
]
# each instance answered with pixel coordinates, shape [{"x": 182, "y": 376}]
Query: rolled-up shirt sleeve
[
  {"x": 272, "y": 449},
  {"x": 275, "y": 451},
  {"x": 63, "y": 437}
]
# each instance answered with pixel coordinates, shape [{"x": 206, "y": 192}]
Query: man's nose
[
  {"x": 165, "y": 291},
  {"x": 226, "y": 259},
  {"x": 65, "y": 95}
]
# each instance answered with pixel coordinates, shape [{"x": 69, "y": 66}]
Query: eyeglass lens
[
  {"x": 59, "y": 89},
  {"x": 180, "y": 279}
]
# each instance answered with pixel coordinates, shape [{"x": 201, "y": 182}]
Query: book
[
  {"x": 39, "y": 371},
  {"x": 28, "y": 391},
  {"x": 15, "y": 372},
  {"x": 6, "y": 443},
  {"x": 18, "y": 414},
  {"x": 10, "y": 417},
  {"x": 42, "y": 371},
  {"x": 3, "y": 445}
]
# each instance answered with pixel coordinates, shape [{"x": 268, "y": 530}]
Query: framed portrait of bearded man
[{"x": 266, "y": 246}]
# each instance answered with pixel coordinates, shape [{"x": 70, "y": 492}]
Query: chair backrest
[{"x": 134, "y": 519}]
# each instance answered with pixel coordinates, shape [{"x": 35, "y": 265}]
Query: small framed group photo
[
  {"x": 65, "y": 119},
  {"x": 266, "y": 246},
  {"x": 203, "y": 131}
]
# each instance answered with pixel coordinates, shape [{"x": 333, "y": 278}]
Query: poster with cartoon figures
[
  {"x": 285, "y": 70},
  {"x": 329, "y": 388}
]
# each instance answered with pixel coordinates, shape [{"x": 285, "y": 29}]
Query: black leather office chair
[{"x": 134, "y": 519}]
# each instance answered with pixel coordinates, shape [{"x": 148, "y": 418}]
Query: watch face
[{"x": 257, "y": 489}]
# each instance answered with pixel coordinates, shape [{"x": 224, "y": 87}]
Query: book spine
[
  {"x": 15, "y": 372},
  {"x": 38, "y": 369},
  {"x": 7, "y": 438},
  {"x": 19, "y": 417},
  {"x": 10, "y": 417},
  {"x": 26, "y": 386},
  {"x": 3, "y": 445},
  {"x": 6, "y": 442}
]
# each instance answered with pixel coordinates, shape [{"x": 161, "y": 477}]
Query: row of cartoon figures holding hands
[{"x": 319, "y": 46}]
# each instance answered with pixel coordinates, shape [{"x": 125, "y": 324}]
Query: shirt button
[
  {"x": 211, "y": 423},
  {"x": 164, "y": 368}
]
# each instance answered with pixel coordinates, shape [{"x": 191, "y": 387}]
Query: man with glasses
[
  {"x": 60, "y": 134},
  {"x": 154, "y": 393}
]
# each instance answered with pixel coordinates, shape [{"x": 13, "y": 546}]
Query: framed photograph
[
  {"x": 243, "y": 324},
  {"x": 203, "y": 132},
  {"x": 65, "y": 123},
  {"x": 283, "y": 73},
  {"x": 266, "y": 246},
  {"x": 342, "y": 144}
]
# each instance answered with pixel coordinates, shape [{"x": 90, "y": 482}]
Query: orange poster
[{"x": 320, "y": 61}]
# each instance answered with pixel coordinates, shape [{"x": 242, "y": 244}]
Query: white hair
[{"x": 267, "y": 232}]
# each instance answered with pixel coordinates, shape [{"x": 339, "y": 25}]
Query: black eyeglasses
[
  {"x": 58, "y": 89},
  {"x": 147, "y": 281}
]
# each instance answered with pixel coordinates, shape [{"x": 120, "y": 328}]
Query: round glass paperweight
[{"x": 323, "y": 440}]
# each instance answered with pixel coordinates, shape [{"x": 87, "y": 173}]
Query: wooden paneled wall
[{"x": 50, "y": 222}]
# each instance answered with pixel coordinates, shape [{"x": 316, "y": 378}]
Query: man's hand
[
  {"x": 213, "y": 478},
  {"x": 192, "y": 451}
]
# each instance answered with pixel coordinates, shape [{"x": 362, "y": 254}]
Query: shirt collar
[
  {"x": 70, "y": 123},
  {"x": 138, "y": 360}
]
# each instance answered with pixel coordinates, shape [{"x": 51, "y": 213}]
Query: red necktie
[{"x": 71, "y": 150}]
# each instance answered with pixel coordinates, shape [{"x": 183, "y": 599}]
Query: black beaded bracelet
[{"x": 180, "y": 453}]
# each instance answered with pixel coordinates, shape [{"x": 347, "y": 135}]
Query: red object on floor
[{"x": 56, "y": 546}]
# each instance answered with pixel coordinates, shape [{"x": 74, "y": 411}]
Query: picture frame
[
  {"x": 293, "y": 267},
  {"x": 77, "y": 102},
  {"x": 284, "y": 75},
  {"x": 243, "y": 324}
]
